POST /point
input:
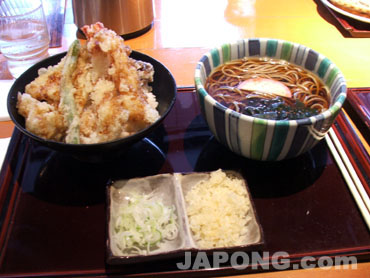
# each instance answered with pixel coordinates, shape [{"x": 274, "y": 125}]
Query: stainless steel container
[{"x": 128, "y": 18}]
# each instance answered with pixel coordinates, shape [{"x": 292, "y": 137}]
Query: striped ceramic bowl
[{"x": 261, "y": 139}]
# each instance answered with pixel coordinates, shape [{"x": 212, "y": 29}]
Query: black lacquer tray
[{"x": 53, "y": 210}]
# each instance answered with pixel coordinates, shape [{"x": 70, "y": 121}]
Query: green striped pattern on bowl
[{"x": 262, "y": 139}]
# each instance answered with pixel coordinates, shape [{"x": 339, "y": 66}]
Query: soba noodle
[{"x": 309, "y": 95}]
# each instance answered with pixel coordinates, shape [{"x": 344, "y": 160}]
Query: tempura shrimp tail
[{"x": 90, "y": 30}]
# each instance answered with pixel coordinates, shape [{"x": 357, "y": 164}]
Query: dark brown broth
[{"x": 309, "y": 95}]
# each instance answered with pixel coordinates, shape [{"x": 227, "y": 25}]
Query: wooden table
[{"x": 183, "y": 30}]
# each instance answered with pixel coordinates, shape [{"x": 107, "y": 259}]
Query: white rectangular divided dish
[{"x": 170, "y": 190}]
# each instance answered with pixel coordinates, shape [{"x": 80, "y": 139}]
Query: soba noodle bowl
[{"x": 307, "y": 96}]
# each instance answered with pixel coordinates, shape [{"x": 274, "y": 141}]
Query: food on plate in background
[
  {"x": 218, "y": 209},
  {"x": 357, "y": 7},
  {"x": 97, "y": 93},
  {"x": 268, "y": 88}
]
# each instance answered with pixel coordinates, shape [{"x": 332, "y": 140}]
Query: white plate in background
[
  {"x": 343, "y": 12},
  {"x": 5, "y": 86}
]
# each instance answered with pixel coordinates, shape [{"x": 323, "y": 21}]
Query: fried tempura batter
[{"x": 110, "y": 92}]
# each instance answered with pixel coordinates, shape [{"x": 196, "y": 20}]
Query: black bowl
[{"x": 164, "y": 88}]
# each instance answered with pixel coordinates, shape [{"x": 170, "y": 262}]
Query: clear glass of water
[{"x": 24, "y": 36}]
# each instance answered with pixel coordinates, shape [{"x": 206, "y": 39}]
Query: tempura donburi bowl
[{"x": 163, "y": 87}]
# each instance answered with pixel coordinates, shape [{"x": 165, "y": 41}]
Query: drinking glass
[{"x": 24, "y": 36}]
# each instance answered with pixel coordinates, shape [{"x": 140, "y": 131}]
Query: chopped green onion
[{"x": 143, "y": 223}]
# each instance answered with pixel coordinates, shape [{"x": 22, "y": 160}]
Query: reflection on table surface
[{"x": 183, "y": 30}]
